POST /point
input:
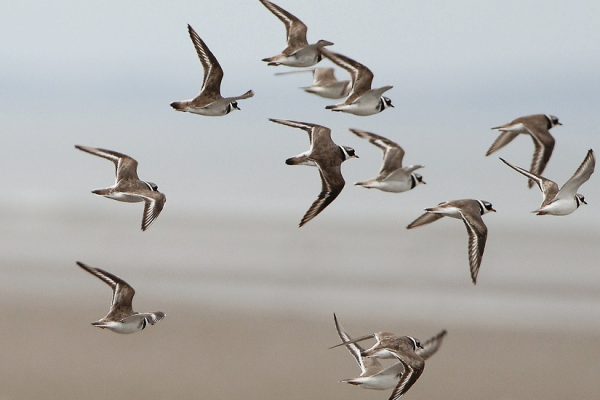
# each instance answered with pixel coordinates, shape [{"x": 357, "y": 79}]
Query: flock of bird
[{"x": 361, "y": 99}]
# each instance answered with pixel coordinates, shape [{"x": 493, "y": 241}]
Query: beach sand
[
  {"x": 51, "y": 352},
  {"x": 250, "y": 307}
]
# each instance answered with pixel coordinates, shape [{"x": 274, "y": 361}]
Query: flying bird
[
  {"x": 373, "y": 374},
  {"x": 470, "y": 211},
  {"x": 393, "y": 177},
  {"x": 209, "y": 102},
  {"x": 121, "y": 318},
  {"x": 538, "y": 127},
  {"x": 324, "y": 84},
  {"x": 327, "y": 157},
  {"x": 402, "y": 348},
  {"x": 298, "y": 53},
  {"x": 362, "y": 100},
  {"x": 565, "y": 200},
  {"x": 128, "y": 187}
]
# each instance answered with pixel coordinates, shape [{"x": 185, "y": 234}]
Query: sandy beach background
[{"x": 254, "y": 320}]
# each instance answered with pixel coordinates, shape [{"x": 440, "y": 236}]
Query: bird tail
[
  {"x": 101, "y": 192},
  {"x": 178, "y": 105}
]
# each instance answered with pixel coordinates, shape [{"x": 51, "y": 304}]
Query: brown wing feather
[
  {"x": 121, "y": 305},
  {"x": 213, "y": 73},
  {"x": 408, "y": 378},
  {"x": 305, "y": 126},
  {"x": 362, "y": 77},
  {"x": 393, "y": 153},
  {"x": 332, "y": 183},
  {"x": 477, "y": 237},
  {"x": 324, "y": 76},
  {"x": 424, "y": 219},
  {"x": 548, "y": 188},
  {"x": 295, "y": 29},
  {"x": 583, "y": 173},
  {"x": 544, "y": 145},
  {"x": 502, "y": 140},
  {"x": 431, "y": 346},
  {"x": 125, "y": 166},
  {"x": 153, "y": 205}
]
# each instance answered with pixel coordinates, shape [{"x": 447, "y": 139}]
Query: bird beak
[
  {"x": 236, "y": 107},
  {"x": 558, "y": 123},
  {"x": 493, "y": 210},
  {"x": 423, "y": 182},
  {"x": 391, "y": 105},
  {"x": 584, "y": 202},
  {"x": 360, "y": 339},
  {"x": 355, "y": 156}
]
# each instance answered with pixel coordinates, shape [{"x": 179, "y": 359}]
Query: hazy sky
[{"x": 103, "y": 74}]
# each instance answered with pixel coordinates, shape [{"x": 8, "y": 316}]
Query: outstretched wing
[
  {"x": 424, "y": 219},
  {"x": 409, "y": 377},
  {"x": 362, "y": 77},
  {"x": 548, "y": 188},
  {"x": 125, "y": 166},
  {"x": 393, "y": 154},
  {"x": 317, "y": 134},
  {"x": 502, "y": 140},
  {"x": 367, "y": 365},
  {"x": 324, "y": 76},
  {"x": 295, "y": 29},
  {"x": 332, "y": 183},
  {"x": 431, "y": 346},
  {"x": 153, "y": 205},
  {"x": 583, "y": 173},
  {"x": 213, "y": 73},
  {"x": 477, "y": 237},
  {"x": 122, "y": 292},
  {"x": 543, "y": 145}
]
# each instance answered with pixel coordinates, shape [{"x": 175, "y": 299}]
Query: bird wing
[
  {"x": 213, "y": 73},
  {"x": 424, "y": 219},
  {"x": 295, "y": 29},
  {"x": 502, "y": 140},
  {"x": 583, "y": 173},
  {"x": 548, "y": 188},
  {"x": 544, "y": 144},
  {"x": 477, "y": 237},
  {"x": 362, "y": 77},
  {"x": 305, "y": 126},
  {"x": 122, "y": 292},
  {"x": 367, "y": 365},
  {"x": 393, "y": 154},
  {"x": 408, "y": 378},
  {"x": 125, "y": 166},
  {"x": 324, "y": 76},
  {"x": 332, "y": 183},
  {"x": 431, "y": 346},
  {"x": 153, "y": 205}
]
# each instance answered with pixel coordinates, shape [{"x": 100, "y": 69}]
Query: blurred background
[{"x": 249, "y": 297}]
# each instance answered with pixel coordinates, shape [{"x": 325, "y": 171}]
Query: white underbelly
[
  {"x": 380, "y": 382},
  {"x": 303, "y": 58},
  {"x": 211, "y": 111},
  {"x": 560, "y": 207}
]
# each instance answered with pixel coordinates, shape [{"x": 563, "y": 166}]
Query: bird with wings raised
[
  {"x": 209, "y": 102},
  {"x": 328, "y": 157}
]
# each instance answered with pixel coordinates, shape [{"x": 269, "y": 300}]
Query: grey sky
[{"x": 104, "y": 75}]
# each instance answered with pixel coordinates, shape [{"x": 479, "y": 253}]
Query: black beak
[
  {"x": 583, "y": 201},
  {"x": 236, "y": 107}
]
